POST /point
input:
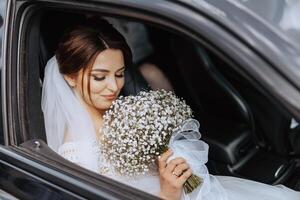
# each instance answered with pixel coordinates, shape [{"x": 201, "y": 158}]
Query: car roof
[{"x": 269, "y": 41}]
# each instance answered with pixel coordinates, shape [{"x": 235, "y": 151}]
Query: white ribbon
[{"x": 186, "y": 143}]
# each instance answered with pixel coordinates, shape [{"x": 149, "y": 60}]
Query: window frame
[{"x": 170, "y": 15}]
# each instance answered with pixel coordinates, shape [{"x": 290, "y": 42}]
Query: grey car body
[{"x": 258, "y": 51}]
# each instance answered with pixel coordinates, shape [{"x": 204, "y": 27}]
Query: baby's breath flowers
[{"x": 137, "y": 129}]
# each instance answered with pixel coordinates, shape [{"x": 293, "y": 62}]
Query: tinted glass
[
  {"x": 2, "y": 14},
  {"x": 282, "y": 14}
]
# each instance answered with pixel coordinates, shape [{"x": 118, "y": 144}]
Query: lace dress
[
  {"x": 70, "y": 151},
  {"x": 213, "y": 188}
]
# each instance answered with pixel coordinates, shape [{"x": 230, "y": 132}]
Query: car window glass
[
  {"x": 283, "y": 14},
  {"x": 2, "y": 16}
]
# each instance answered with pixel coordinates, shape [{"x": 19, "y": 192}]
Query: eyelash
[
  {"x": 98, "y": 79},
  {"x": 102, "y": 78},
  {"x": 120, "y": 76}
]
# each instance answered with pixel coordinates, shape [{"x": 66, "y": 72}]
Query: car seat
[{"x": 227, "y": 120}]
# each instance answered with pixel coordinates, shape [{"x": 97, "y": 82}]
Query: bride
[{"x": 81, "y": 81}]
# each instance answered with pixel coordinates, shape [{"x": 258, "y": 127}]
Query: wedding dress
[
  {"x": 62, "y": 111},
  {"x": 220, "y": 187}
]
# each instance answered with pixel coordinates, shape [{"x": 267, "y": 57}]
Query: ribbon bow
[{"x": 186, "y": 143}]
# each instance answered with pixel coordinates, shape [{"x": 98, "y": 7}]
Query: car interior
[{"x": 248, "y": 133}]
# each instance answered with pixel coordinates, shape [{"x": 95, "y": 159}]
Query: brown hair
[{"x": 80, "y": 45}]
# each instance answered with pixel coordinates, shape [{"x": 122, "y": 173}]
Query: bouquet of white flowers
[{"x": 137, "y": 129}]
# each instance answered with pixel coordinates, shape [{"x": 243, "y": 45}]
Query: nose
[{"x": 112, "y": 84}]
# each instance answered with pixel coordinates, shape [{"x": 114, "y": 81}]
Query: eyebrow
[{"x": 105, "y": 70}]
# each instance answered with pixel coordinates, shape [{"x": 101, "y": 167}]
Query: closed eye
[
  {"x": 120, "y": 75},
  {"x": 96, "y": 78}
]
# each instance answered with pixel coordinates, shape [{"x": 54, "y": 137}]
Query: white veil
[{"x": 63, "y": 113}]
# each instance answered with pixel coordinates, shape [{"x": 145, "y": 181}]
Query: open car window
[
  {"x": 210, "y": 74},
  {"x": 195, "y": 74}
]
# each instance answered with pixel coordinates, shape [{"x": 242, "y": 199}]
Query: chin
[{"x": 104, "y": 106}]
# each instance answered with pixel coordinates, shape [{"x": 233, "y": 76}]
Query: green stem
[{"x": 192, "y": 183}]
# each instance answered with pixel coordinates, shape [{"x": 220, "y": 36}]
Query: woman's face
[{"x": 106, "y": 79}]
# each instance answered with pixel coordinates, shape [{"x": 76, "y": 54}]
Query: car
[{"x": 236, "y": 63}]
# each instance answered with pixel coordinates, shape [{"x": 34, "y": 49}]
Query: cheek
[
  {"x": 120, "y": 83},
  {"x": 97, "y": 86}
]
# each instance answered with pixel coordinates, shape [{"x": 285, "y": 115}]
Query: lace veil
[{"x": 63, "y": 113}]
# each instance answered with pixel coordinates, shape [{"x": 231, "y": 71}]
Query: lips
[{"x": 109, "y": 97}]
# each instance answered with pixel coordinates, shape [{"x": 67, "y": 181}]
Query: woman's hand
[{"x": 172, "y": 176}]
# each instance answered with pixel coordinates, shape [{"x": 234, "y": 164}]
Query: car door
[{"x": 30, "y": 169}]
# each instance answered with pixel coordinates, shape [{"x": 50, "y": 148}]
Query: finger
[
  {"x": 182, "y": 179},
  {"x": 162, "y": 160},
  {"x": 179, "y": 169},
  {"x": 173, "y": 163}
]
